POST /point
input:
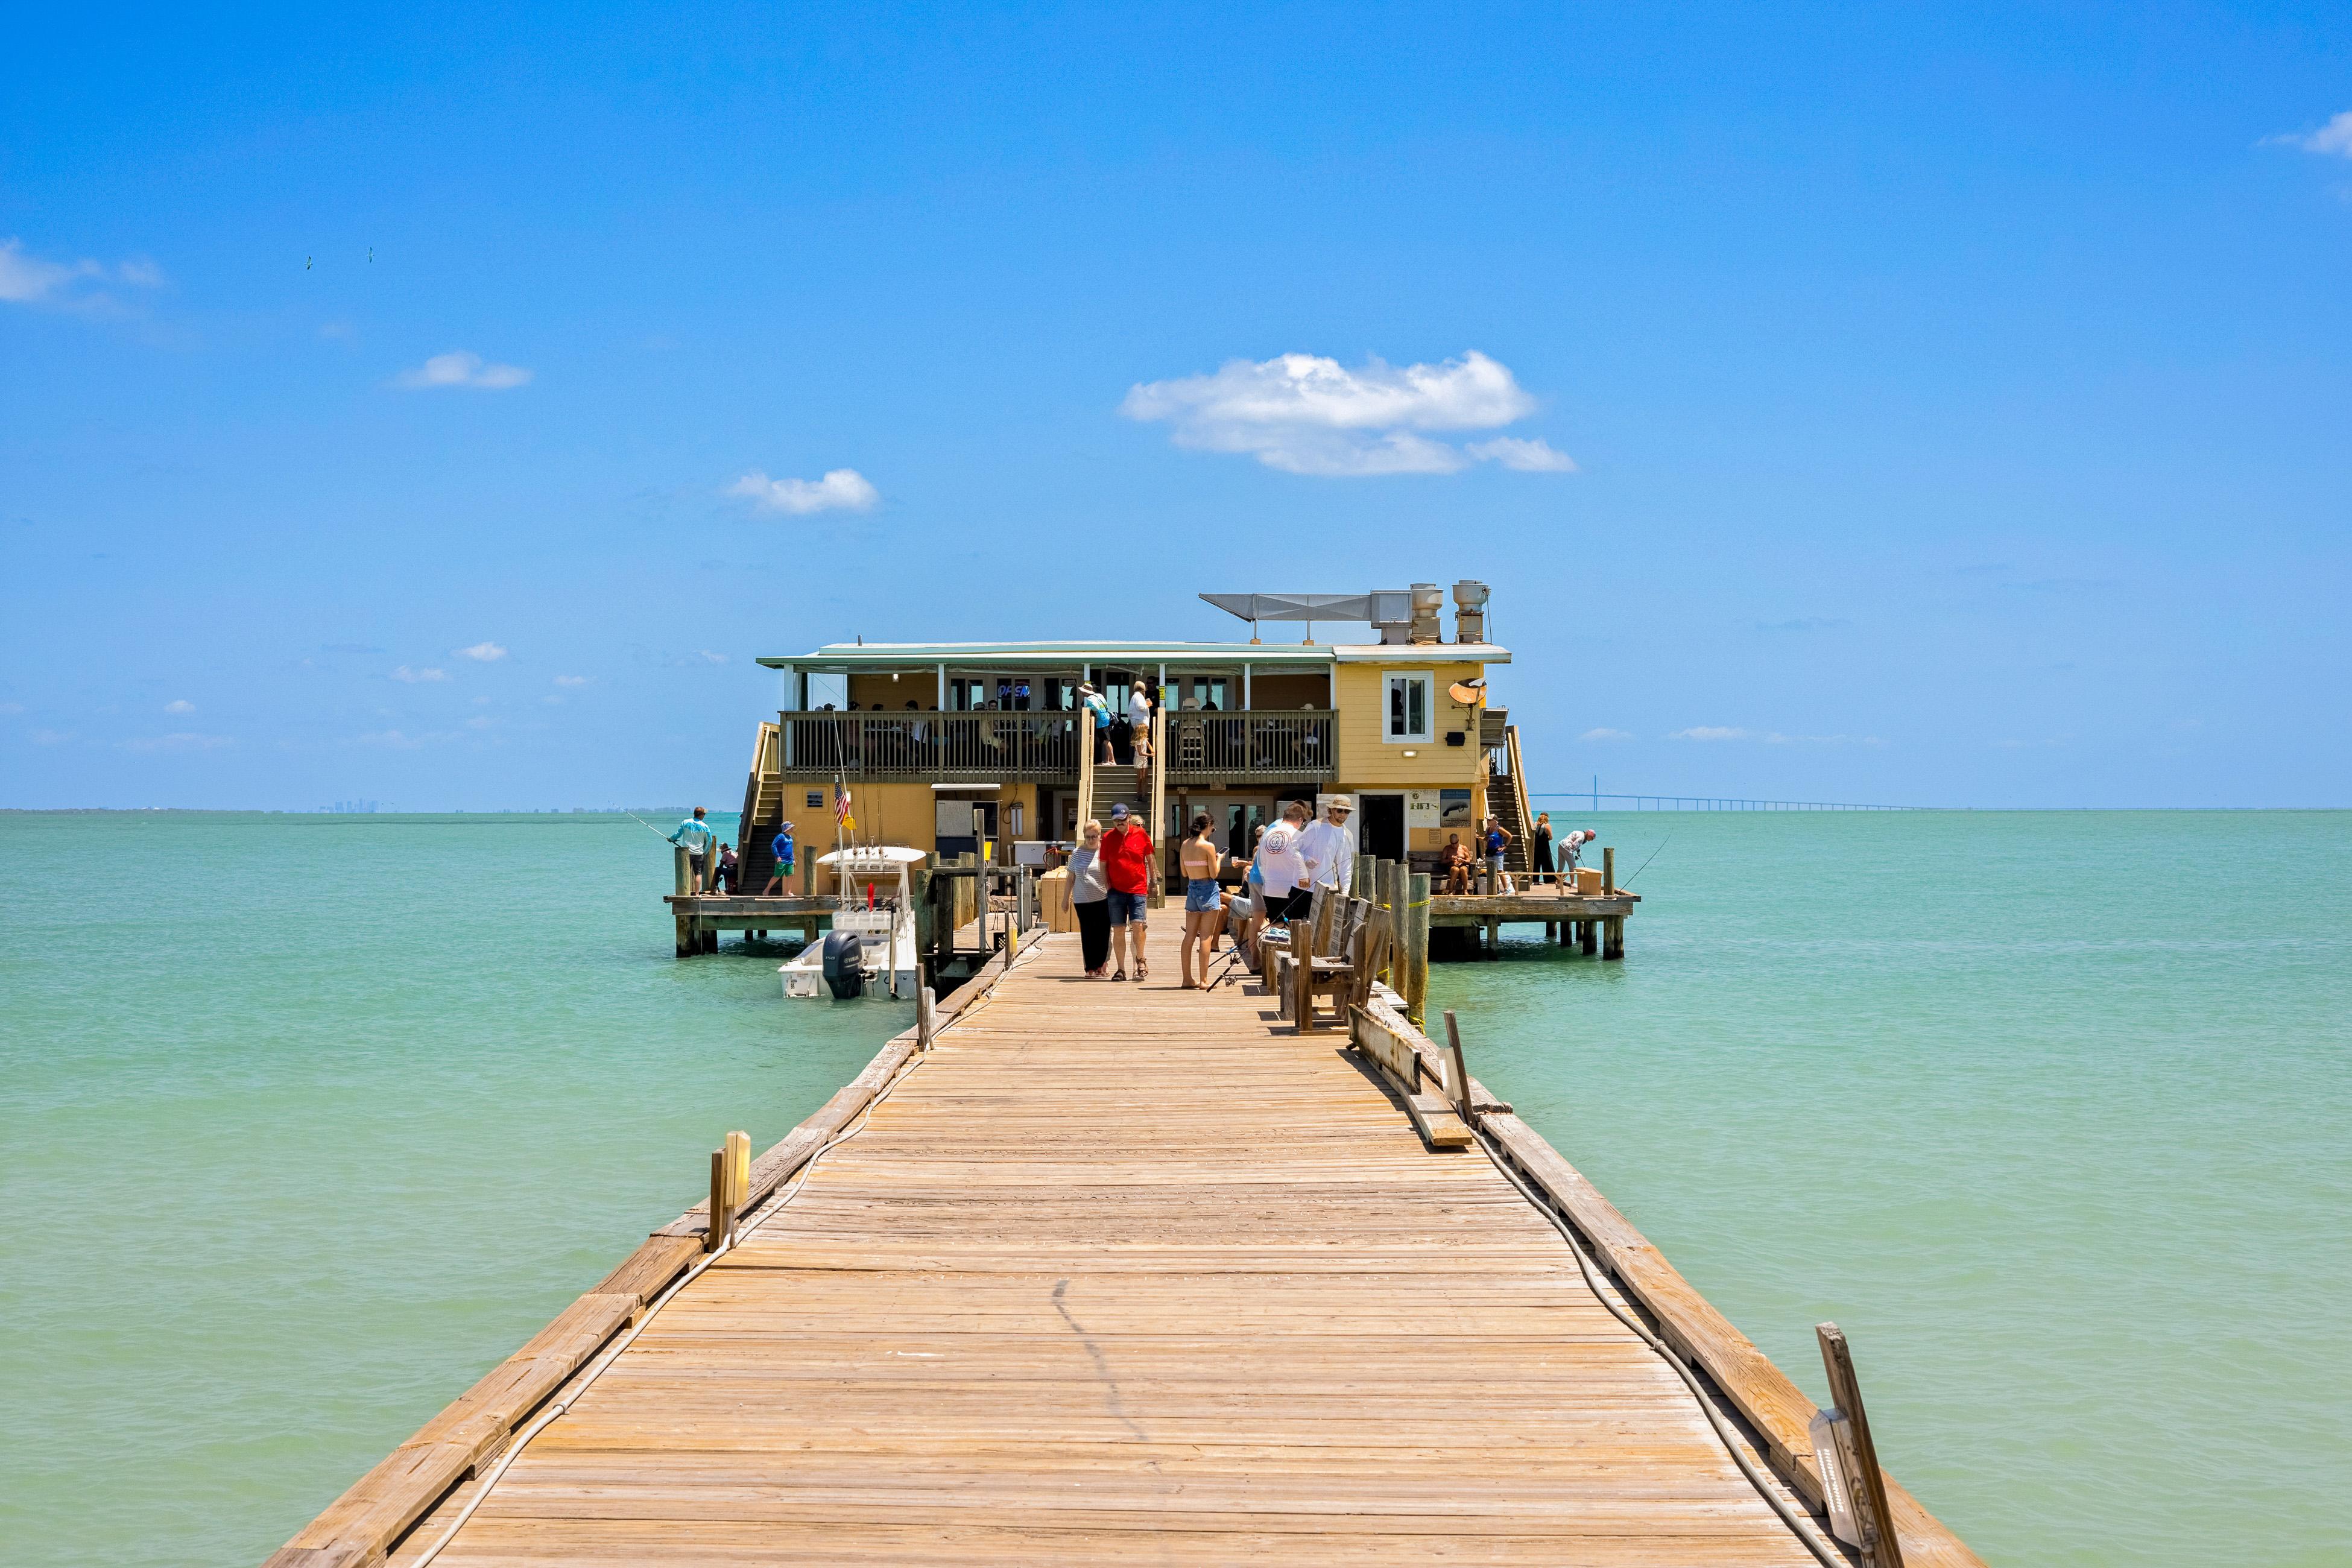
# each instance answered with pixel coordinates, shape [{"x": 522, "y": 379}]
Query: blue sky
[{"x": 1955, "y": 404}]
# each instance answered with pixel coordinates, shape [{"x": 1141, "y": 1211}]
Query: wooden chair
[{"x": 1326, "y": 967}]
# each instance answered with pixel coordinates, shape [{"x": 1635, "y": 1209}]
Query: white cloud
[
  {"x": 415, "y": 675},
  {"x": 1305, "y": 414},
  {"x": 845, "y": 489},
  {"x": 481, "y": 721},
  {"x": 1605, "y": 736},
  {"x": 399, "y": 741},
  {"x": 571, "y": 680},
  {"x": 480, "y": 653},
  {"x": 706, "y": 657},
  {"x": 179, "y": 705},
  {"x": 1528, "y": 457},
  {"x": 2333, "y": 139},
  {"x": 1771, "y": 736},
  {"x": 28, "y": 280},
  {"x": 185, "y": 741},
  {"x": 463, "y": 369}
]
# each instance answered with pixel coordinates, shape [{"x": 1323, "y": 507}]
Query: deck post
[
  {"x": 683, "y": 873},
  {"x": 1609, "y": 871},
  {"x": 1865, "y": 1482},
  {"x": 1613, "y": 941},
  {"x": 1590, "y": 939},
  {"x": 927, "y": 1018},
  {"x": 1159, "y": 738},
  {"x": 1416, "y": 928},
  {"x": 1457, "y": 1072},
  {"x": 684, "y": 935}
]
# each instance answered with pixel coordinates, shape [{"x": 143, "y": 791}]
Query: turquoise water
[
  {"x": 2048, "y": 1111},
  {"x": 326, "y": 1115}
]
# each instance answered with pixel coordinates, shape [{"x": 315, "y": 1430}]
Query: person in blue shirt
[
  {"x": 783, "y": 862},
  {"x": 694, "y": 837}
]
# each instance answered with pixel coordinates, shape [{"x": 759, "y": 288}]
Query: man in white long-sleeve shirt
[
  {"x": 1330, "y": 854},
  {"x": 1282, "y": 870}
]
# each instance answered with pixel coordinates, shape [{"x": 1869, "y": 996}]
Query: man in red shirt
[{"x": 1126, "y": 866}]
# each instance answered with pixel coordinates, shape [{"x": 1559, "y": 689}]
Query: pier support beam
[{"x": 1613, "y": 945}]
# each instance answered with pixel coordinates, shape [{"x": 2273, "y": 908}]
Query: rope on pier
[
  {"x": 1797, "y": 1521},
  {"x": 773, "y": 1207}
]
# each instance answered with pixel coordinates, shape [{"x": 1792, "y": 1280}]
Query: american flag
[{"x": 841, "y": 803}]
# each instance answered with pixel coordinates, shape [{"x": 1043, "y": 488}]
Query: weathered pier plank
[{"x": 1124, "y": 1268}]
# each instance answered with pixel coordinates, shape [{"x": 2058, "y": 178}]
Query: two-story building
[{"x": 943, "y": 746}]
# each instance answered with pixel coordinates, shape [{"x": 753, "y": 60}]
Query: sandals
[
  {"x": 1120, "y": 976},
  {"x": 1142, "y": 972}
]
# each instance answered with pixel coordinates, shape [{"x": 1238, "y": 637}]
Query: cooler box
[{"x": 1587, "y": 879}]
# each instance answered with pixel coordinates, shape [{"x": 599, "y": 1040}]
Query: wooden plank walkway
[{"x": 1127, "y": 1271}]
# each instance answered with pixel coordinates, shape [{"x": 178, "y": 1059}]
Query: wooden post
[
  {"x": 808, "y": 875},
  {"x": 1159, "y": 805},
  {"x": 1613, "y": 941},
  {"x": 686, "y": 944},
  {"x": 1416, "y": 938},
  {"x": 927, "y": 1018},
  {"x": 1865, "y": 1483},
  {"x": 1591, "y": 938},
  {"x": 1086, "y": 766},
  {"x": 1609, "y": 870},
  {"x": 720, "y": 1214},
  {"x": 1457, "y": 1072},
  {"x": 684, "y": 872},
  {"x": 1494, "y": 939}
]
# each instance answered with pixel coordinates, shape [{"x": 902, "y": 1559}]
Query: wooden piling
[
  {"x": 1609, "y": 870},
  {"x": 683, "y": 873},
  {"x": 1416, "y": 937},
  {"x": 1866, "y": 1484}
]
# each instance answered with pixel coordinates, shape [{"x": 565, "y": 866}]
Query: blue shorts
[
  {"x": 1202, "y": 896},
  {"x": 1126, "y": 908}
]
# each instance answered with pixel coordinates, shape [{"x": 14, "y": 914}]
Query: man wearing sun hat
[{"x": 1330, "y": 853}]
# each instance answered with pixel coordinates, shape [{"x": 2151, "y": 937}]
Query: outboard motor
[{"x": 844, "y": 959}]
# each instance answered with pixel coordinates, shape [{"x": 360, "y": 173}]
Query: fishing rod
[
  {"x": 1653, "y": 854},
  {"x": 648, "y": 826}
]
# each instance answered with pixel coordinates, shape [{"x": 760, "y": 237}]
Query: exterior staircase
[{"x": 1506, "y": 793}]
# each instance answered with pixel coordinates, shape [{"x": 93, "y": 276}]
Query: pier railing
[{"x": 1286, "y": 745}]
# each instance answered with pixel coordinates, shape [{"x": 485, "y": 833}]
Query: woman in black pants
[{"x": 1091, "y": 900}]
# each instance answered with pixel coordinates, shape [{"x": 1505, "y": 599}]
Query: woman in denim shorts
[{"x": 1204, "y": 900}]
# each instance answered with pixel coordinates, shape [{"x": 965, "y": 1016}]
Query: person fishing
[
  {"x": 1571, "y": 848},
  {"x": 694, "y": 837},
  {"x": 729, "y": 870}
]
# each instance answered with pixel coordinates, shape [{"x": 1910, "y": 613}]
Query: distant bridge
[{"x": 1712, "y": 803}]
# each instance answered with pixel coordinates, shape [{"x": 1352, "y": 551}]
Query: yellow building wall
[
  {"x": 887, "y": 814},
  {"x": 1369, "y": 761}
]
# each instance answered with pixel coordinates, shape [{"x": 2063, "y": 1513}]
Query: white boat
[{"x": 878, "y": 906}]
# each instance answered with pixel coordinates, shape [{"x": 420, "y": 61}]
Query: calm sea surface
[{"x": 306, "y": 1122}]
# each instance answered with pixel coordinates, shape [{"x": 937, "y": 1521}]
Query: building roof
[{"x": 1006, "y": 655}]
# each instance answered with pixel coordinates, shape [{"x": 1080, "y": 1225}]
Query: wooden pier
[
  {"x": 1594, "y": 922},
  {"x": 1087, "y": 1271}
]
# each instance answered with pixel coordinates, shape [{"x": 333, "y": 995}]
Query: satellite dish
[{"x": 1469, "y": 693}]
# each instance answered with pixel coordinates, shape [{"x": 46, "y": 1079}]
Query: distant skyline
[{"x": 448, "y": 408}]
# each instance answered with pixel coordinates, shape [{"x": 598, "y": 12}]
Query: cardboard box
[{"x": 1053, "y": 901}]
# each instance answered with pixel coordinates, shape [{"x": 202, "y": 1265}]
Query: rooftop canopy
[{"x": 1062, "y": 655}]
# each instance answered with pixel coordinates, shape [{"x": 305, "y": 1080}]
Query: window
[
  {"x": 817, "y": 800},
  {"x": 1409, "y": 705}
]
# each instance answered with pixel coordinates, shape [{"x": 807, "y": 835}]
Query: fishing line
[{"x": 1645, "y": 865}]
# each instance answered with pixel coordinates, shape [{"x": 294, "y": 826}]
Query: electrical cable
[
  {"x": 767, "y": 1211},
  {"x": 1799, "y": 1521}
]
